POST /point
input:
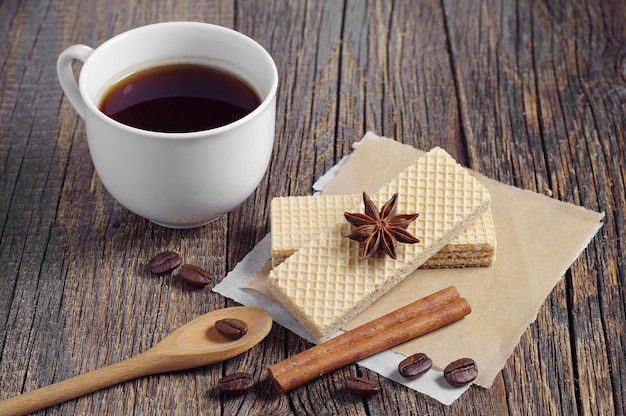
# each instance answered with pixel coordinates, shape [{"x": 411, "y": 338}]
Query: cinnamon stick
[{"x": 418, "y": 318}]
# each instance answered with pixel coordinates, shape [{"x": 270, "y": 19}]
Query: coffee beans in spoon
[{"x": 231, "y": 328}]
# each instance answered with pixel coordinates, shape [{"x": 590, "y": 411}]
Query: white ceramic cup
[{"x": 178, "y": 180}]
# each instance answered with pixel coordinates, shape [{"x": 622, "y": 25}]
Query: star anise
[{"x": 381, "y": 230}]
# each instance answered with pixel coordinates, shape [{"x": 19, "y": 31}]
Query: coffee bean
[
  {"x": 362, "y": 386},
  {"x": 460, "y": 372},
  {"x": 236, "y": 383},
  {"x": 415, "y": 365},
  {"x": 164, "y": 263},
  {"x": 194, "y": 275},
  {"x": 231, "y": 328}
]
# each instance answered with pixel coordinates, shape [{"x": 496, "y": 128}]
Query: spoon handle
[{"x": 134, "y": 367}]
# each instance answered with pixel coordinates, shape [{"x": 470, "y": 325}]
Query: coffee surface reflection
[{"x": 179, "y": 98}]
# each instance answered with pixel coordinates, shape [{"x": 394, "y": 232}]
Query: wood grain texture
[{"x": 529, "y": 93}]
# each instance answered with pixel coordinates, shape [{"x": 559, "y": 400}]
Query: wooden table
[{"x": 532, "y": 94}]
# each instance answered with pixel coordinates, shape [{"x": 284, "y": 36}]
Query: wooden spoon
[{"x": 195, "y": 344}]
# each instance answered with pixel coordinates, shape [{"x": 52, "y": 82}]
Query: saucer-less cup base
[{"x": 178, "y": 180}]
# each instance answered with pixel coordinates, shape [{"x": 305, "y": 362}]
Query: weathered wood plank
[
  {"x": 548, "y": 132},
  {"x": 31, "y": 319}
]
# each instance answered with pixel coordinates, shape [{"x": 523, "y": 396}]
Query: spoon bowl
[
  {"x": 198, "y": 343},
  {"x": 195, "y": 344}
]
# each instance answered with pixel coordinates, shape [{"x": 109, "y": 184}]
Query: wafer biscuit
[
  {"x": 296, "y": 220},
  {"x": 326, "y": 282}
]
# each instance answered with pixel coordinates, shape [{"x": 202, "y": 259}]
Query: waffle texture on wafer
[
  {"x": 326, "y": 282},
  {"x": 296, "y": 220}
]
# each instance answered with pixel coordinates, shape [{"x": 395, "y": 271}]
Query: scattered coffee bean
[
  {"x": 460, "y": 372},
  {"x": 415, "y": 365},
  {"x": 231, "y": 328},
  {"x": 194, "y": 275},
  {"x": 362, "y": 386},
  {"x": 164, "y": 263},
  {"x": 236, "y": 383}
]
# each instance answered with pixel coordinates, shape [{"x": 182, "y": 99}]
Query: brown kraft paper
[{"x": 538, "y": 238}]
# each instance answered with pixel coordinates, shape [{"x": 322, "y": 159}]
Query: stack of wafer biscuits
[
  {"x": 296, "y": 220},
  {"x": 326, "y": 282}
]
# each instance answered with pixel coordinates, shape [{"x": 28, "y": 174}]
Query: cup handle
[{"x": 66, "y": 74}]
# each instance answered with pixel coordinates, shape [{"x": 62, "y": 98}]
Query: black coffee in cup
[{"x": 179, "y": 98}]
